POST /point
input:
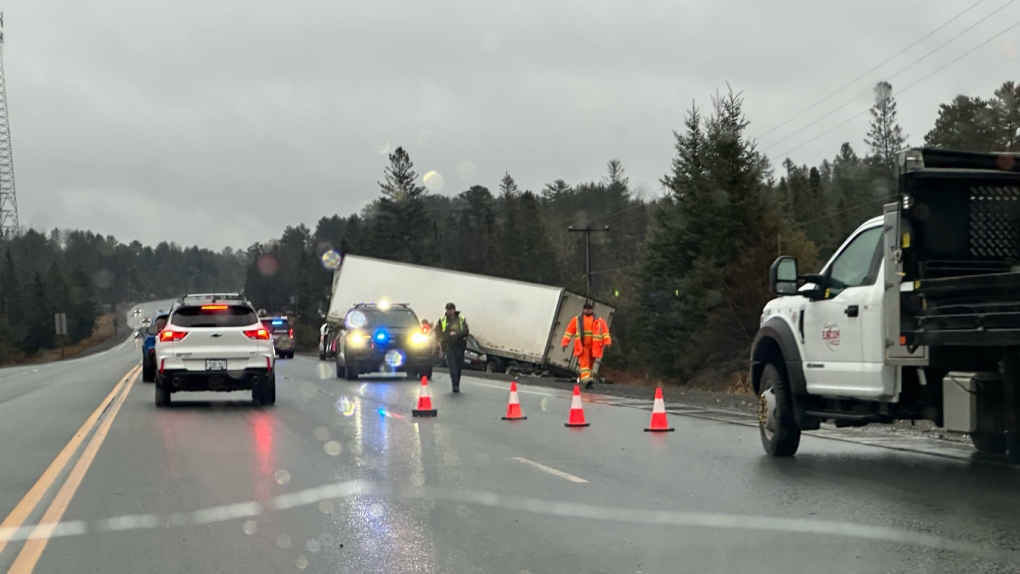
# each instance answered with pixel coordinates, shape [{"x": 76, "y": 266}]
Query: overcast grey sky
[{"x": 218, "y": 122}]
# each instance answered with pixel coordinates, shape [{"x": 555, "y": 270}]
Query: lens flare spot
[
  {"x": 267, "y": 265},
  {"x": 331, "y": 259},
  {"x": 313, "y": 545},
  {"x": 467, "y": 170},
  {"x": 326, "y": 506},
  {"x": 332, "y": 448},
  {"x": 1008, "y": 50},
  {"x": 283, "y": 541},
  {"x": 250, "y": 527},
  {"x": 324, "y": 371},
  {"x": 321, "y": 433},
  {"x": 433, "y": 180},
  {"x": 384, "y": 148},
  {"x": 376, "y": 510},
  {"x": 345, "y": 406},
  {"x": 282, "y": 476},
  {"x": 301, "y": 563}
]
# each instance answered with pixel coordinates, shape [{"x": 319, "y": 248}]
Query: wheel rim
[{"x": 767, "y": 413}]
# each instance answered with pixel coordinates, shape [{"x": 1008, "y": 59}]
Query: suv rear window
[
  {"x": 214, "y": 316},
  {"x": 279, "y": 325}
]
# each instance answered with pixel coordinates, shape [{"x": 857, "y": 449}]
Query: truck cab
[{"x": 916, "y": 316}]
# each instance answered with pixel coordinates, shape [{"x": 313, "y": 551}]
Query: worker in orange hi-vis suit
[{"x": 590, "y": 335}]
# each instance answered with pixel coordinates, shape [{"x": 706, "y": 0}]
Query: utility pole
[
  {"x": 8, "y": 201},
  {"x": 587, "y": 231}
]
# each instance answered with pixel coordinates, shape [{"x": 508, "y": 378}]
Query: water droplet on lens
[
  {"x": 313, "y": 545},
  {"x": 326, "y": 506},
  {"x": 332, "y": 448},
  {"x": 308, "y": 389},
  {"x": 322, "y": 433},
  {"x": 283, "y": 541},
  {"x": 301, "y": 563},
  {"x": 250, "y": 527},
  {"x": 282, "y": 477},
  {"x": 376, "y": 510}
]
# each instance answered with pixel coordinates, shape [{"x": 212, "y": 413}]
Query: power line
[
  {"x": 862, "y": 76},
  {"x": 897, "y": 73},
  {"x": 957, "y": 59}
]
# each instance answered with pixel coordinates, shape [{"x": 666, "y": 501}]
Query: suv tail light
[
  {"x": 290, "y": 333},
  {"x": 167, "y": 335},
  {"x": 258, "y": 334}
]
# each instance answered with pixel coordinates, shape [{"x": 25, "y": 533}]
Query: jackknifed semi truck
[{"x": 518, "y": 325}]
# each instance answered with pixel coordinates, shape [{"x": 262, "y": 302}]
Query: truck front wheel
[
  {"x": 989, "y": 442},
  {"x": 779, "y": 433}
]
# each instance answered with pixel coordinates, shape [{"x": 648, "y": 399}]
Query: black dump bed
[{"x": 960, "y": 225}]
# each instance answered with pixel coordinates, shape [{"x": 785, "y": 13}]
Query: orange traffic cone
[
  {"x": 576, "y": 412},
  {"x": 513, "y": 409},
  {"x": 424, "y": 401},
  {"x": 659, "y": 423}
]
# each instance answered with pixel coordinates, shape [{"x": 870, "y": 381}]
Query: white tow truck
[{"x": 915, "y": 317}]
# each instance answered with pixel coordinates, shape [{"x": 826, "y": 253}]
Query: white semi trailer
[{"x": 518, "y": 325}]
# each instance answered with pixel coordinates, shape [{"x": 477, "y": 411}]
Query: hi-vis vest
[
  {"x": 442, "y": 324},
  {"x": 598, "y": 335}
]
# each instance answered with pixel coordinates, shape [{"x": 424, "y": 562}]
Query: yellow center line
[
  {"x": 27, "y": 504},
  {"x": 33, "y": 549}
]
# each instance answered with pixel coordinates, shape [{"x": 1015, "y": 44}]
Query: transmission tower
[{"x": 8, "y": 201}]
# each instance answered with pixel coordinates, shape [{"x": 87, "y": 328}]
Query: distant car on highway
[
  {"x": 214, "y": 342},
  {"x": 385, "y": 338},
  {"x": 149, "y": 347},
  {"x": 283, "y": 336}
]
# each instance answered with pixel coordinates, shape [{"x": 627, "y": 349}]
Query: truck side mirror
[{"x": 783, "y": 276}]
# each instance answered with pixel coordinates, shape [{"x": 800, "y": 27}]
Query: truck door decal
[{"x": 830, "y": 334}]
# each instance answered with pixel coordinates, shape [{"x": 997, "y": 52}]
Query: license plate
[{"x": 217, "y": 365}]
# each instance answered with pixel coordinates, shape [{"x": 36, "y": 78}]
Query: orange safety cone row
[
  {"x": 576, "y": 411},
  {"x": 513, "y": 408},
  {"x": 425, "y": 408},
  {"x": 659, "y": 423}
]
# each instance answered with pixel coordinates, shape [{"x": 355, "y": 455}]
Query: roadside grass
[{"x": 103, "y": 331}]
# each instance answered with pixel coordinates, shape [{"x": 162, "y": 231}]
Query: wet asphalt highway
[{"x": 338, "y": 477}]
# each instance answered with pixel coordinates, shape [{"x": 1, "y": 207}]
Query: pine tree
[
  {"x": 508, "y": 250},
  {"x": 83, "y": 306},
  {"x": 537, "y": 265},
  {"x": 885, "y": 136},
  {"x": 39, "y": 328},
  {"x": 401, "y": 225},
  {"x": 964, "y": 124}
]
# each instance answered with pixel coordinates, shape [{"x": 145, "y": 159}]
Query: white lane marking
[
  {"x": 551, "y": 471},
  {"x": 519, "y": 389}
]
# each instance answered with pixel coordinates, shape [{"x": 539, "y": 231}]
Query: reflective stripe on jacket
[{"x": 589, "y": 332}]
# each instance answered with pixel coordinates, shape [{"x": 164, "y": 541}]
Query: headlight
[
  {"x": 357, "y": 340},
  {"x": 419, "y": 338}
]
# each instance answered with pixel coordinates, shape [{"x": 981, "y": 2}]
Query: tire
[
  {"x": 989, "y": 442},
  {"x": 427, "y": 373},
  {"x": 340, "y": 371},
  {"x": 491, "y": 367},
  {"x": 148, "y": 374},
  {"x": 290, "y": 355},
  {"x": 265, "y": 392},
  {"x": 162, "y": 395},
  {"x": 349, "y": 373},
  {"x": 322, "y": 355},
  {"x": 783, "y": 438}
]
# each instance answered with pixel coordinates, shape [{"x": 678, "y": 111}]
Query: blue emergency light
[{"x": 278, "y": 322}]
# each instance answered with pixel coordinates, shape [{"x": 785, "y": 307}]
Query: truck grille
[{"x": 995, "y": 222}]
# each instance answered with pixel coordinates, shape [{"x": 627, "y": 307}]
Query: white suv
[{"x": 214, "y": 342}]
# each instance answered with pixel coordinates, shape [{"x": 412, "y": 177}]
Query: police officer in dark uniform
[{"x": 453, "y": 333}]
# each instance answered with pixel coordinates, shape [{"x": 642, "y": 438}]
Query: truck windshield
[{"x": 391, "y": 318}]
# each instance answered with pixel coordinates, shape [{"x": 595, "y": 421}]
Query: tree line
[{"x": 685, "y": 269}]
